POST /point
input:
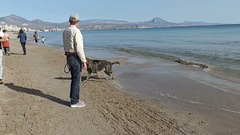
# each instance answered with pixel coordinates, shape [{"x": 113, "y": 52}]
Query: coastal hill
[{"x": 96, "y": 24}]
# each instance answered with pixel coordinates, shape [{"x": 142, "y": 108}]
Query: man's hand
[{"x": 84, "y": 66}]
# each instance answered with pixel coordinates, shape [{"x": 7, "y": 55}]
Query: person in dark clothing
[
  {"x": 36, "y": 37},
  {"x": 23, "y": 39}
]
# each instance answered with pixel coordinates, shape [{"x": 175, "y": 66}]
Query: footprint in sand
[{"x": 202, "y": 123}]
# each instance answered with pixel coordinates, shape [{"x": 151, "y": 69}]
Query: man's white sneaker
[{"x": 79, "y": 104}]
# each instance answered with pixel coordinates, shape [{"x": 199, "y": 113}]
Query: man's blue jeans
[{"x": 75, "y": 65}]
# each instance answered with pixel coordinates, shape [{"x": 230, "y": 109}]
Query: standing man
[{"x": 73, "y": 47}]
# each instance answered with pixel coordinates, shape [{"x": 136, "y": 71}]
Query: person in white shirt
[
  {"x": 75, "y": 56},
  {"x": 1, "y": 56}
]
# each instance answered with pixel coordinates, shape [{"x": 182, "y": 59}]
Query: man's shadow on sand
[
  {"x": 91, "y": 78},
  {"x": 36, "y": 93},
  {"x": 69, "y": 78}
]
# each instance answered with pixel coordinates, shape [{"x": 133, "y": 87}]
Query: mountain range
[{"x": 94, "y": 24}]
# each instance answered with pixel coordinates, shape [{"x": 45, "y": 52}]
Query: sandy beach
[{"x": 35, "y": 99}]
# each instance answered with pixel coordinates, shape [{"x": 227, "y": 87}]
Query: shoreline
[
  {"x": 196, "y": 73},
  {"x": 34, "y": 98},
  {"x": 221, "y": 72}
]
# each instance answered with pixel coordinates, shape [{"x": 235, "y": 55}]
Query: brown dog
[{"x": 95, "y": 66}]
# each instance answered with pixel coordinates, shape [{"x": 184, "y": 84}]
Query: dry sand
[{"x": 35, "y": 100}]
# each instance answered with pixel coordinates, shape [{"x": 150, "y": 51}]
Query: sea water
[{"x": 216, "y": 46}]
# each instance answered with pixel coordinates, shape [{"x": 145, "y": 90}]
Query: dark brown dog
[{"x": 95, "y": 66}]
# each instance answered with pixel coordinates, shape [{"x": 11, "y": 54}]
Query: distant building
[
  {"x": 14, "y": 28},
  {"x": 9, "y": 27}
]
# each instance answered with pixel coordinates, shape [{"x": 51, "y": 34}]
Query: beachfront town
[{"x": 15, "y": 28}]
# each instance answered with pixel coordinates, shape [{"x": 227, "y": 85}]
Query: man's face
[{"x": 77, "y": 24}]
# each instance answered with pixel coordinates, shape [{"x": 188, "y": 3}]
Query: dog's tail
[{"x": 115, "y": 62}]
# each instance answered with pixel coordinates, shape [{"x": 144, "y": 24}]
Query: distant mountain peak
[
  {"x": 37, "y": 21},
  {"x": 13, "y": 16},
  {"x": 13, "y": 19},
  {"x": 158, "y": 20}
]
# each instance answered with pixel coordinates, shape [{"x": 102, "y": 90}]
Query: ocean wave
[
  {"x": 147, "y": 53},
  {"x": 232, "y": 75},
  {"x": 218, "y": 67},
  {"x": 217, "y": 58},
  {"x": 192, "y": 63},
  {"x": 165, "y": 56}
]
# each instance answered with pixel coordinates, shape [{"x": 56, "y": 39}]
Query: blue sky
[{"x": 216, "y": 11}]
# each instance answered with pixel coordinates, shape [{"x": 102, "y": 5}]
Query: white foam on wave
[
  {"x": 182, "y": 99},
  {"x": 195, "y": 102},
  {"x": 228, "y": 110}
]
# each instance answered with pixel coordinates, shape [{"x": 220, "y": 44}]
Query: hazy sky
[{"x": 215, "y": 11}]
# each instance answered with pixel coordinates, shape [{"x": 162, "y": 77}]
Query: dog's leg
[
  {"x": 112, "y": 76},
  {"x": 88, "y": 76},
  {"x": 98, "y": 75}
]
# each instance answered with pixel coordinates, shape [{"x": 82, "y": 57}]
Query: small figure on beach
[
  {"x": 43, "y": 39},
  {"x": 23, "y": 39},
  {"x": 1, "y": 56},
  {"x": 6, "y": 43},
  {"x": 36, "y": 37},
  {"x": 75, "y": 56}
]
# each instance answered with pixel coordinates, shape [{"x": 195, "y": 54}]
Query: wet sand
[
  {"x": 182, "y": 89},
  {"x": 148, "y": 97},
  {"x": 188, "y": 89}
]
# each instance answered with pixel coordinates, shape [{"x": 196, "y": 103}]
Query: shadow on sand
[
  {"x": 16, "y": 53},
  {"x": 36, "y": 93},
  {"x": 91, "y": 78},
  {"x": 63, "y": 78},
  {"x": 69, "y": 78}
]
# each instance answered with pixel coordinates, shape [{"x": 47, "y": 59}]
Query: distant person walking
[
  {"x": 6, "y": 43},
  {"x": 23, "y": 39},
  {"x": 36, "y": 37},
  {"x": 75, "y": 56}
]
